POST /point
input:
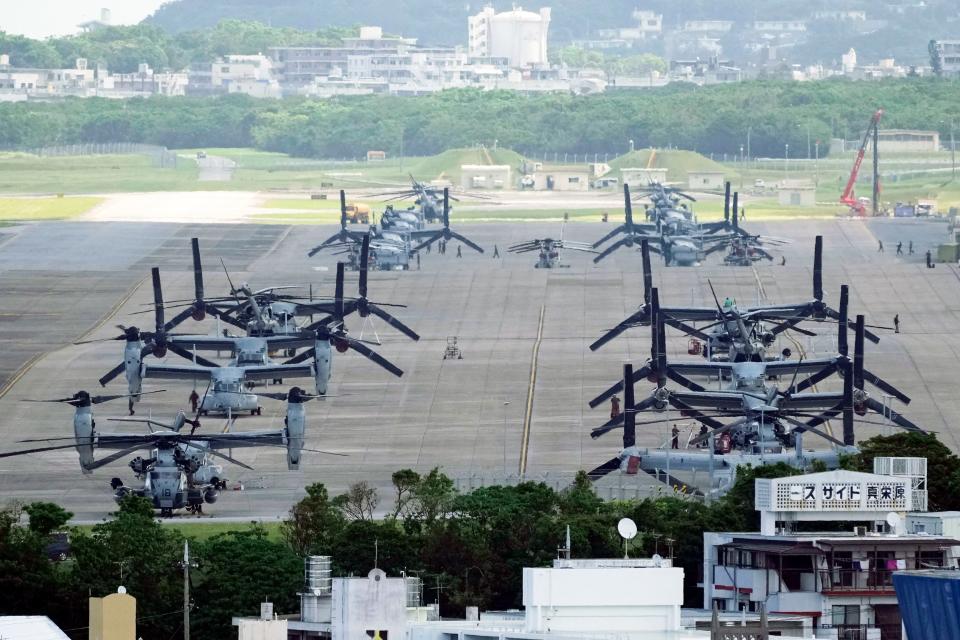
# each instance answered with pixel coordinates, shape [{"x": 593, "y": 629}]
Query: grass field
[
  {"x": 20, "y": 173},
  {"x": 22, "y": 209}
]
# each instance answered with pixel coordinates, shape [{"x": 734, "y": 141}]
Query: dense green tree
[
  {"x": 133, "y": 550},
  {"x": 236, "y": 572},
  {"x": 314, "y": 523}
]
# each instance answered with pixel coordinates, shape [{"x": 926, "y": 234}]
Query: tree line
[
  {"x": 762, "y": 117},
  {"x": 472, "y": 545},
  {"x": 122, "y": 49}
]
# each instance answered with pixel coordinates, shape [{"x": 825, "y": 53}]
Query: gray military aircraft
[
  {"x": 548, "y": 250},
  {"x": 392, "y": 246},
  {"x": 736, "y": 333},
  {"x": 674, "y": 233},
  {"x": 181, "y": 470},
  {"x": 768, "y": 421}
]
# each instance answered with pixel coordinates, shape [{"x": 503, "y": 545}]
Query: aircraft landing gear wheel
[{"x": 166, "y": 513}]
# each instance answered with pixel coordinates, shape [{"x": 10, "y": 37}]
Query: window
[
  {"x": 846, "y": 614},
  {"x": 573, "y": 180}
]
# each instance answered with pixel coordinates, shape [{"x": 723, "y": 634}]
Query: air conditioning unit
[{"x": 860, "y": 531}]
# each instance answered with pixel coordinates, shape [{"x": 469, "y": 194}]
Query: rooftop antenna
[
  {"x": 564, "y": 552},
  {"x": 627, "y": 529}
]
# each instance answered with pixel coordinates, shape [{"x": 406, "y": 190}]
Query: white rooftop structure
[
  {"x": 831, "y": 496},
  {"x": 30, "y": 628},
  {"x": 518, "y": 35}
]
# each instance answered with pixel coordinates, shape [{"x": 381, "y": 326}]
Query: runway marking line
[
  {"x": 26, "y": 366},
  {"x": 528, "y": 414}
]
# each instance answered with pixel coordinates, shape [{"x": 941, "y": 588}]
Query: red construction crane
[{"x": 848, "y": 198}]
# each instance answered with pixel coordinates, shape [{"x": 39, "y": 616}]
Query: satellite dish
[
  {"x": 894, "y": 520},
  {"x": 627, "y": 528},
  {"x": 121, "y": 589},
  {"x": 657, "y": 560}
]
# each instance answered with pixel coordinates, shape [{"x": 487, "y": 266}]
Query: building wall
[
  {"x": 561, "y": 180},
  {"x": 642, "y": 177},
  {"x": 485, "y": 177},
  {"x": 706, "y": 180},
  {"x": 797, "y": 197},
  {"x": 373, "y": 603},
  {"x": 893, "y": 140},
  {"x": 602, "y": 600},
  {"x": 262, "y": 630}
]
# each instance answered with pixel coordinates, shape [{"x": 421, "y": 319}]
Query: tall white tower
[{"x": 517, "y": 35}]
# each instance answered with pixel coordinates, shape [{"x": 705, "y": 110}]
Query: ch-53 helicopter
[
  {"x": 767, "y": 420},
  {"x": 548, "y": 250},
  {"x": 394, "y": 244},
  {"x": 675, "y": 233},
  {"x": 429, "y": 204},
  {"x": 181, "y": 470},
  {"x": 736, "y": 333}
]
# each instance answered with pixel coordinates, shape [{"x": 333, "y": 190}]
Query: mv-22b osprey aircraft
[{"x": 180, "y": 471}]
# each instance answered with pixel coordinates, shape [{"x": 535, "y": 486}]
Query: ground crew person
[
  {"x": 614, "y": 407},
  {"x": 910, "y": 248},
  {"x": 418, "y": 261},
  {"x": 194, "y": 399},
  {"x": 880, "y": 249},
  {"x": 459, "y": 252},
  {"x": 496, "y": 251},
  {"x": 896, "y": 323},
  {"x": 783, "y": 261},
  {"x": 703, "y": 435},
  {"x": 899, "y": 248},
  {"x": 675, "y": 438}
]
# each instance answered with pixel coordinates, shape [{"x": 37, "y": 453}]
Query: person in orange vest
[{"x": 614, "y": 407}]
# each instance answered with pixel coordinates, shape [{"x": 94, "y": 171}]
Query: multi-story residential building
[
  {"x": 249, "y": 74},
  {"x": 299, "y": 66},
  {"x": 779, "y": 26},
  {"x": 708, "y": 26},
  {"x": 840, "y": 579},
  {"x": 648, "y": 25},
  {"x": 947, "y": 53}
]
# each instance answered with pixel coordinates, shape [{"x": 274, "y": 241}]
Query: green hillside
[
  {"x": 677, "y": 162},
  {"x": 446, "y": 165}
]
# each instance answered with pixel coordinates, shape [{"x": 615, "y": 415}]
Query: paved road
[{"x": 61, "y": 279}]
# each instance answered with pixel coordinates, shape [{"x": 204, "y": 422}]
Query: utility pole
[
  {"x": 186, "y": 590},
  {"x": 953, "y": 154},
  {"x": 876, "y": 166}
]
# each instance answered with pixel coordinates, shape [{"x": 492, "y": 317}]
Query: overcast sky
[{"x": 42, "y": 18}]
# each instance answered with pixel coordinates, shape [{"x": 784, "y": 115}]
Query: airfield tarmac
[{"x": 63, "y": 281}]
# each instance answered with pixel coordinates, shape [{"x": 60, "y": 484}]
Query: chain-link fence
[{"x": 161, "y": 156}]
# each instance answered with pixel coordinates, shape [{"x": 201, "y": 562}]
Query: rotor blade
[
  {"x": 633, "y": 320},
  {"x": 180, "y": 351},
  {"x": 179, "y": 318},
  {"x": 613, "y": 464},
  {"x": 638, "y": 374},
  {"x": 805, "y": 427},
  {"x": 376, "y": 357},
  {"x": 101, "y": 399},
  {"x": 338, "y": 295},
  {"x": 393, "y": 322},
  {"x": 628, "y": 241},
  {"x": 113, "y": 457},
  {"x": 437, "y": 236},
  {"x": 885, "y": 386},
  {"x": 218, "y": 454},
  {"x": 470, "y": 243},
  {"x": 197, "y": 269},
  {"x": 113, "y": 373},
  {"x": 302, "y": 356},
  {"x": 157, "y": 300},
  {"x": 364, "y": 263},
  {"x": 818, "y": 268},
  {"x": 620, "y": 229},
  {"x": 894, "y": 417}
]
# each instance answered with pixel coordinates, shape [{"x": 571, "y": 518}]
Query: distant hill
[
  {"x": 447, "y": 165},
  {"x": 444, "y": 22},
  {"x": 676, "y": 162}
]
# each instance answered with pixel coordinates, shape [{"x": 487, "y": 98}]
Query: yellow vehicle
[{"x": 357, "y": 212}]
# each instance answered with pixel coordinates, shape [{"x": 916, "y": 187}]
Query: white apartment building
[{"x": 518, "y": 35}]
